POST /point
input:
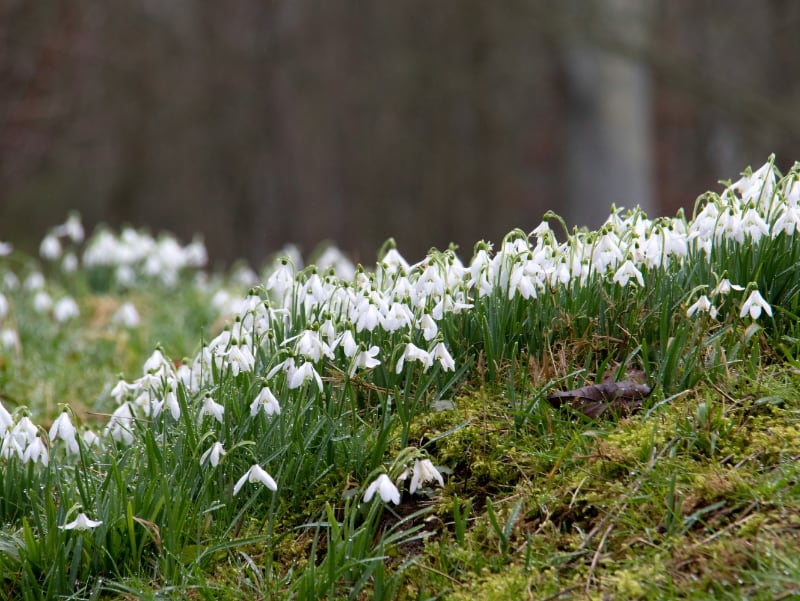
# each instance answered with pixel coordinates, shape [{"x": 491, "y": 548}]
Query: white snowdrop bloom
[
  {"x": 606, "y": 253},
  {"x": 10, "y": 448},
  {"x": 63, "y": 429},
  {"x": 255, "y": 474},
  {"x": 196, "y": 255},
  {"x": 724, "y": 287},
  {"x": 281, "y": 281},
  {"x": 65, "y": 309},
  {"x": 757, "y": 187},
  {"x": 414, "y": 353},
  {"x": 398, "y": 316},
  {"x": 754, "y": 304},
  {"x": 385, "y": 488},
  {"x": 24, "y": 432},
  {"x": 522, "y": 282},
  {"x": 311, "y": 346},
  {"x": 428, "y": 327},
  {"x": 789, "y": 219},
  {"x": 5, "y": 249},
  {"x": 367, "y": 316},
  {"x": 42, "y": 302},
  {"x": 9, "y": 339},
  {"x": 34, "y": 281},
  {"x": 156, "y": 363},
  {"x": 442, "y": 355},
  {"x": 302, "y": 374},
  {"x": 365, "y": 359},
  {"x": 127, "y": 316},
  {"x": 120, "y": 426},
  {"x": 91, "y": 439},
  {"x": 36, "y": 452},
  {"x": 240, "y": 359},
  {"x": 626, "y": 272},
  {"x": 753, "y": 225},
  {"x": 702, "y": 305},
  {"x": 393, "y": 262},
  {"x": 424, "y": 471},
  {"x": 10, "y": 280},
  {"x": 171, "y": 401},
  {"x": 4, "y": 305},
  {"x": 120, "y": 391},
  {"x": 213, "y": 454},
  {"x": 125, "y": 275},
  {"x": 448, "y": 305},
  {"x": 82, "y": 522},
  {"x": 348, "y": 343},
  {"x": 50, "y": 248},
  {"x": 212, "y": 408},
  {"x": 72, "y": 228},
  {"x": 70, "y": 263},
  {"x": 265, "y": 401},
  {"x": 6, "y": 421}
]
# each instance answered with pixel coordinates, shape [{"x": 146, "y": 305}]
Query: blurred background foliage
[{"x": 262, "y": 122}]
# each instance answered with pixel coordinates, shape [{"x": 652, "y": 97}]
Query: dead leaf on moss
[{"x": 617, "y": 398}]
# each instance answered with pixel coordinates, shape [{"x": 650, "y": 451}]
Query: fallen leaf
[{"x": 620, "y": 398}]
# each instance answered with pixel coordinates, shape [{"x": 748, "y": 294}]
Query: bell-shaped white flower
[
  {"x": 213, "y": 454},
  {"x": 256, "y": 473},
  {"x": 385, "y": 488},
  {"x": 212, "y": 408},
  {"x": 82, "y": 522},
  {"x": 302, "y": 374},
  {"x": 626, "y": 272},
  {"x": 442, "y": 355},
  {"x": 365, "y": 359},
  {"x": 424, "y": 471},
  {"x": 65, "y": 309},
  {"x": 413, "y": 353},
  {"x": 265, "y": 401},
  {"x": 754, "y": 304},
  {"x": 702, "y": 305},
  {"x": 62, "y": 428}
]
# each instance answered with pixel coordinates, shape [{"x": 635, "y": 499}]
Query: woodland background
[{"x": 262, "y": 122}]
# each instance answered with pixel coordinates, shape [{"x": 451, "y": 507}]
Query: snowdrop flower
[
  {"x": 42, "y": 302},
  {"x": 348, "y": 343},
  {"x": 126, "y": 315},
  {"x": 72, "y": 228},
  {"x": 6, "y": 421},
  {"x": 424, "y": 471},
  {"x": 120, "y": 426},
  {"x": 789, "y": 220},
  {"x": 213, "y": 454},
  {"x": 156, "y": 363},
  {"x": 62, "y": 428},
  {"x": 367, "y": 317},
  {"x": 82, "y": 522},
  {"x": 90, "y": 439},
  {"x": 265, "y": 401},
  {"x": 365, "y": 359},
  {"x": 50, "y": 248},
  {"x": 626, "y": 272},
  {"x": 5, "y": 248},
  {"x": 442, "y": 355},
  {"x": 241, "y": 359},
  {"x": 69, "y": 263},
  {"x": 212, "y": 408},
  {"x": 34, "y": 281},
  {"x": 65, "y": 309},
  {"x": 300, "y": 375},
  {"x": 36, "y": 452},
  {"x": 255, "y": 474},
  {"x": 725, "y": 287},
  {"x": 3, "y": 306},
  {"x": 385, "y": 488},
  {"x": 428, "y": 327},
  {"x": 9, "y": 339},
  {"x": 171, "y": 401},
  {"x": 414, "y": 353},
  {"x": 311, "y": 346},
  {"x": 703, "y": 305},
  {"x": 754, "y": 304}
]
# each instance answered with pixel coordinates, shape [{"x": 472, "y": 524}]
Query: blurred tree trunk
[{"x": 609, "y": 145}]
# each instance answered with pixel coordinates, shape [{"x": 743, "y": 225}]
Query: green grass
[{"x": 694, "y": 496}]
